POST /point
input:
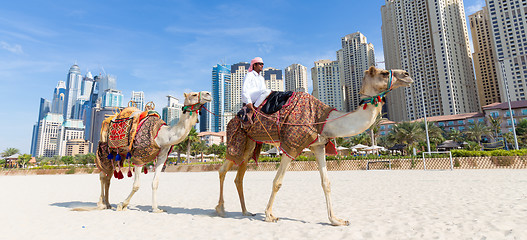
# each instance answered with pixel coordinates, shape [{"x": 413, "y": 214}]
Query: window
[
  {"x": 441, "y": 124},
  {"x": 494, "y": 114},
  {"x": 460, "y": 122},
  {"x": 450, "y": 123},
  {"x": 471, "y": 121}
]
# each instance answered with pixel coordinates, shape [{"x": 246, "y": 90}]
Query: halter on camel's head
[
  {"x": 379, "y": 82},
  {"x": 195, "y": 101}
]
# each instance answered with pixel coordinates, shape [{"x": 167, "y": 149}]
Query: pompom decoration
[
  {"x": 145, "y": 170},
  {"x": 120, "y": 175},
  {"x": 115, "y": 173},
  {"x": 128, "y": 155},
  {"x": 110, "y": 156},
  {"x": 118, "y": 157},
  {"x": 129, "y": 173}
]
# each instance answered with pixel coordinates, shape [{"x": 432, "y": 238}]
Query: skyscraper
[
  {"x": 508, "y": 20},
  {"x": 327, "y": 84},
  {"x": 48, "y": 135},
  {"x": 112, "y": 98},
  {"x": 70, "y": 129},
  {"x": 295, "y": 78},
  {"x": 221, "y": 96},
  {"x": 429, "y": 39},
  {"x": 73, "y": 91},
  {"x": 273, "y": 79},
  {"x": 205, "y": 120},
  {"x": 355, "y": 57},
  {"x": 44, "y": 109},
  {"x": 59, "y": 95},
  {"x": 238, "y": 72},
  {"x": 172, "y": 112},
  {"x": 484, "y": 59},
  {"x": 139, "y": 99}
]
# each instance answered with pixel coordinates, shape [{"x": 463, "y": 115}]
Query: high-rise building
[
  {"x": 508, "y": 19},
  {"x": 295, "y": 78},
  {"x": 355, "y": 57},
  {"x": 273, "y": 79},
  {"x": 139, "y": 99},
  {"x": 484, "y": 58},
  {"x": 73, "y": 91},
  {"x": 172, "y": 112},
  {"x": 205, "y": 120},
  {"x": 70, "y": 129},
  {"x": 59, "y": 95},
  {"x": 48, "y": 135},
  {"x": 112, "y": 98},
  {"x": 97, "y": 116},
  {"x": 221, "y": 96},
  {"x": 44, "y": 109},
  {"x": 106, "y": 82},
  {"x": 238, "y": 72},
  {"x": 327, "y": 84},
  {"x": 429, "y": 39}
]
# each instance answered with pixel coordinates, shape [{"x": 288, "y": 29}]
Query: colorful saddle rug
[{"x": 294, "y": 127}]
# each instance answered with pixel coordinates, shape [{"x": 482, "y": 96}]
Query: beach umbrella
[
  {"x": 306, "y": 150},
  {"x": 359, "y": 146}
]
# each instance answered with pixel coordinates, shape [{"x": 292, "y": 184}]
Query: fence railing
[{"x": 502, "y": 162}]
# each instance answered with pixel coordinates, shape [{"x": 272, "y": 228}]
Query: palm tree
[
  {"x": 435, "y": 133},
  {"x": 191, "y": 139},
  {"x": 409, "y": 133},
  {"x": 521, "y": 132},
  {"x": 495, "y": 125},
  {"x": 10, "y": 152},
  {"x": 455, "y": 135},
  {"x": 476, "y": 131},
  {"x": 362, "y": 138},
  {"x": 24, "y": 159},
  {"x": 374, "y": 128}
]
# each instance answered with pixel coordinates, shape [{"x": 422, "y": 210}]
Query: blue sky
[{"x": 162, "y": 47}]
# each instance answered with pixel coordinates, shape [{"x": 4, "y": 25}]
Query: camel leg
[
  {"x": 320, "y": 155},
  {"x": 277, "y": 183},
  {"x": 227, "y": 164},
  {"x": 161, "y": 158},
  {"x": 239, "y": 186},
  {"x": 137, "y": 172},
  {"x": 105, "y": 187}
]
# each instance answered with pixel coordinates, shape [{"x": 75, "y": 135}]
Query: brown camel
[{"x": 375, "y": 84}]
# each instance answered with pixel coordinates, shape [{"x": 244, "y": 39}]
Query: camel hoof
[
  {"x": 158, "y": 210},
  {"x": 121, "y": 207},
  {"x": 340, "y": 222},
  {"x": 271, "y": 218},
  {"x": 249, "y": 214},
  {"x": 220, "y": 210}
]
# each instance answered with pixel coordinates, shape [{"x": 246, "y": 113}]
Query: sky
[{"x": 162, "y": 47}]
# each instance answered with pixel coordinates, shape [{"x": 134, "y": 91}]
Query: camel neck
[{"x": 342, "y": 124}]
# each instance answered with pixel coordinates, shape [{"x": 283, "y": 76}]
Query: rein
[
  {"x": 379, "y": 98},
  {"x": 194, "y": 107}
]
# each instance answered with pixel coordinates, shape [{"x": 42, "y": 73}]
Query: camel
[
  {"x": 375, "y": 84},
  {"x": 167, "y": 136}
]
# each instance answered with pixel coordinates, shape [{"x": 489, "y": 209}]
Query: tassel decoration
[
  {"x": 365, "y": 106},
  {"x": 128, "y": 155},
  {"x": 110, "y": 156},
  {"x": 118, "y": 157},
  {"x": 115, "y": 173},
  {"x": 145, "y": 170},
  {"x": 129, "y": 173},
  {"x": 120, "y": 175}
]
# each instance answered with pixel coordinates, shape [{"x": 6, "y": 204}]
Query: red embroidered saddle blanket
[{"x": 294, "y": 127}]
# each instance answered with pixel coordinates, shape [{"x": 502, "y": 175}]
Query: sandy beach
[{"x": 460, "y": 204}]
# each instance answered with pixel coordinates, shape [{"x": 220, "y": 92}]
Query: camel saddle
[
  {"x": 295, "y": 126},
  {"x": 128, "y": 134}
]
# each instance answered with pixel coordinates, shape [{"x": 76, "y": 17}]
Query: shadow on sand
[{"x": 171, "y": 210}]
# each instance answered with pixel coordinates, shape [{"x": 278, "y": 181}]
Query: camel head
[
  {"x": 376, "y": 80},
  {"x": 195, "y": 100}
]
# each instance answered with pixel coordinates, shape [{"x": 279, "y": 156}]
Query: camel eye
[{"x": 385, "y": 74}]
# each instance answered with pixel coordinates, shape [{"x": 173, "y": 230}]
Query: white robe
[{"x": 254, "y": 89}]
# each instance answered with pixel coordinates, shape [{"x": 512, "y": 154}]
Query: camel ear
[
  {"x": 185, "y": 94},
  {"x": 372, "y": 71}
]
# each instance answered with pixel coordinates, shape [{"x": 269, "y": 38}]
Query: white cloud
[
  {"x": 476, "y": 6},
  {"x": 16, "y": 48}
]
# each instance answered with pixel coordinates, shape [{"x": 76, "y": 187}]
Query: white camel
[
  {"x": 165, "y": 139},
  {"x": 375, "y": 84}
]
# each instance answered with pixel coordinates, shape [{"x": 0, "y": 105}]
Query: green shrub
[{"x": 71, "y": 171}]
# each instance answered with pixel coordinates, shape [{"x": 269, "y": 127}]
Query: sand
[{"x": 460, "y": 204}]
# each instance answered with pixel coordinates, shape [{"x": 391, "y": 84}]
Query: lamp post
[
  {"x": 424, "y": 113},
  {"x": 509, "y": 102}
]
